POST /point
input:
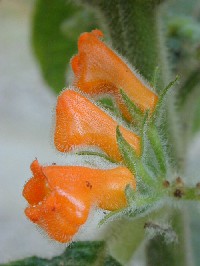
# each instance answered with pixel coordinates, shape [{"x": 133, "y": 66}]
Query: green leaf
[
  {"x": 98, "y": 154},
  {"x": 155, "y": 77},
  {"x": 144, "y": 130},
  {"x": 130, "y": 194},
  {"x": 57, "y": 25},
  {"x": 135, "y": 112},
  {"x": 152, "y": 148},
  {"x": 149, "y": 155},
  {"x": 110, "y": 104},
  {"x": 128, "y": 153},
  {"x": 77, "y": 254},
  {"x": 162, "y": 97},
  {"x": 134, "y": 163},
  {"x": 158, "y": 149}
]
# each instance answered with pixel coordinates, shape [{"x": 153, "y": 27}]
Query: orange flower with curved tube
[
  {"x": 60, "y": 197},
  {"x": 80, "y": 122},
  {"x": 99, "y": 70}
]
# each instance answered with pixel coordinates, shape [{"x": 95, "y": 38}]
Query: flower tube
[
  {"x": 98, "y": 69},
  {"x": 80, "y": 122},
  {"x": 60, "y": 197}
]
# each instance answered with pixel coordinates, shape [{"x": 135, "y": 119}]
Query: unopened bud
[
  {"x": 179, "y": 182},
  {"x": 178, "y": 193},
  {"x": 198, "y": 185},
  {"x": 166, "y": 183}
]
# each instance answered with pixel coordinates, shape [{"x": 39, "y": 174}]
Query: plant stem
[
  {"x": 187, "y": 102},
  {"x": 171, "y": 254},
  {"x": 134, "y": 33},
  {"x": 134, "y": 30}
]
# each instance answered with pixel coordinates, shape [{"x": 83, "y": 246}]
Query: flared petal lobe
[
  {"x": 98, "y": 69},
  {"x": 52, "y": 218},
  {"x": 80, "y": 122},
  {"x": 72, "y": 191},
  {"x": 36, "y": 188}
]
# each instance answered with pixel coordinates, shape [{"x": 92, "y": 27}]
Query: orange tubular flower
[
  {"x": 60, "y": 197},
  {"x": 80, "y": 122},
  {"x": 99, "y": 70}
]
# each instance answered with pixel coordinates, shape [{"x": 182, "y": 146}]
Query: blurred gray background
[{"x": 26, "y": 111}]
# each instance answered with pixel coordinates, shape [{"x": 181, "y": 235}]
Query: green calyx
[{"x": 152, "y": 186}]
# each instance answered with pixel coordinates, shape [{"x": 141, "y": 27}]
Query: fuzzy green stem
[
  {"x": 171, "y": 254},
  {"x": 134, "y": 27},
  {"x": 134, "y": 30},
  {"x": 183, "y": 192}
]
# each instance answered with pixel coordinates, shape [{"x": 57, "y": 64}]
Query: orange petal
[
  {"x": 105, "y": 186},
  {"x": 36, "y": 169},
  {"x": 102, "y": 70},
  {"x": 75, "y": 64},
  {"x": 72, "y": 191},
  {"x": 113, "y": 185},
  {"x": 80, "y": 122},
  {"x": 36, "y": 188},
  {"x": 71, "y": 179},
  {"x": 57, "y": 217},
  {"x": 33, "y": 213},
  {"x": 97, "y": 33},
  {"x": 59, "y": 229}
]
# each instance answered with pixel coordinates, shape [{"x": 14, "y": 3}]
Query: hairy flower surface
[
  {"x": 98, "y": 69},
  {"x": 60, "y": 197},
  {"x": 80, "y": 122}
]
